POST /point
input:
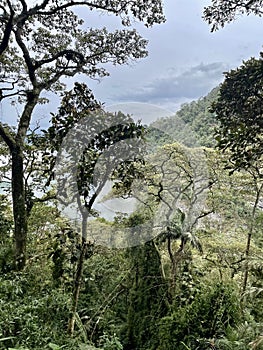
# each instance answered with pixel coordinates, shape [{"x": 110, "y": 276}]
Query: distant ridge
[{"x": 192, "y": 125}]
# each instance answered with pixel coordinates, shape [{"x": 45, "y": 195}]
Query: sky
[
  {"x": 185, "y": 62},
  {"x": 185, "y": 59}
]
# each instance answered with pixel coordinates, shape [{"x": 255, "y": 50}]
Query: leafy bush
[
  {"x": 214, "y": 309},
  {"x": 30, "y": 319}
]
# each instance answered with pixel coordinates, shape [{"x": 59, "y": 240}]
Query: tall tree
[
  {"x": 83, "y": 133},
  {"x": 41, "y": 43},
  {"x": 239, "y": 110}
]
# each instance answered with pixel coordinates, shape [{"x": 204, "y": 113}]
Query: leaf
[{"x": 54, "y": 346}]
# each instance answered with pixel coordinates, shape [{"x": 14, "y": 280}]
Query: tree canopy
[
  {"x": 239, "y": 110},
  {"x": 221, "y": 12},
  {"x": 157, "y": 292},
  {"x": 42, "y": 42}
]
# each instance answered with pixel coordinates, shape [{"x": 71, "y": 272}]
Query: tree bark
[
  {"x": 250, "y": 233},
  {"x": 7, "y": 30},
  {"x": 249, "y": 236},
  {"x": 78, "y": 276},
  {"x": 76, "y": 289},
  {"x": 19, "y": 207}
]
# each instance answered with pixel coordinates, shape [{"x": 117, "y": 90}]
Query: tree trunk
[
  {"x": 249, "y": 236},
  {"x": 250, "y": 233},
  {"x": 19, "y": 207},
  {"x": 78, "y": 276},
  {"x": 76, "y": 289}
]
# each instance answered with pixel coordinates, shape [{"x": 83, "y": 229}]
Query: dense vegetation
[
  {"x": 193, "y": 125},
  {"x": 182, "y": 290},
  {"x": 184, "y": 269}
]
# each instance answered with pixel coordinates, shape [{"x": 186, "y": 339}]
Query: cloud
[{"x": 190, "y": 84}]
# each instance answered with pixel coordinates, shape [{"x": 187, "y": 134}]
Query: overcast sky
[{"x": 185, "y": 59}]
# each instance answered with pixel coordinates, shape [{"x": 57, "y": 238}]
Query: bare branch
[{"x": 20, "y": 92}]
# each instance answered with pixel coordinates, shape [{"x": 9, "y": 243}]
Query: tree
[
  {"x": 84, "y": 137},
  {"x": 221, "y": 12},
  {"x": 40, "y": 44},
  {"x": 175, "y": 231},
  {"x": 239, "y": 110}
]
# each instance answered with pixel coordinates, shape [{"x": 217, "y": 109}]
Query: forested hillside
[
  {"x": 193, "y": 125},
  {"x": 182, "y": 268},
  {"x": 182, "y": 286}
]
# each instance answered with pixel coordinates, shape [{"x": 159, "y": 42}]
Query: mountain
[{"x": 193, "y": 125}]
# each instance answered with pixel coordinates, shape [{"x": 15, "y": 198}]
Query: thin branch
[
  {"x": 58, "y": 55},
  {"x": 19, "y": 92},
  {"x": 45, "y": 198},
  {"x": 204, "y": 214},
  {"x": 34, "y": 10},
  {"x": 78, "y": 3}
]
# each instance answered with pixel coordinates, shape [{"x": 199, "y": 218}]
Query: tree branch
[
  {"x": 67, "y": 53},
  {"x": 8, "y": 30},
  {"x": 7, "y": 137},
  {"x": 32, "y": 100},
  {"x": 77, "y": 3},
  {"x": 46, "y": 198},
  {"x": 28, "y": 59},
  {"x": 24, "y": 5}
]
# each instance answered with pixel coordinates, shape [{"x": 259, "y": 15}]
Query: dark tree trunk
[
  {"x": 79, "y": 274},
  {"x": 18, "y": 185},
  {"x": 250, "y": 234},
  {"x": 76, "y": 288},
  {"x": 19, "y": 207}
]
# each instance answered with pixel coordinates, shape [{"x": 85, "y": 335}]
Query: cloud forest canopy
[
  {"x": 239, "y": 110},
  {"x": 43, "y": 41}
]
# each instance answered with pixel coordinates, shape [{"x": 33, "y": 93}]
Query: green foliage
[
  {"x": 175, "y": 231},
  {"x": 239, "y": 111},
  {"x": 29, "y": 316},
  {"x": 213, "y": 309},
  {"x": 125, "y": 301},
  {"x": 221, "y": 12},
  {"x": 6, "y": 230},
  {"x": 68, "y": 49},
  {"x": 146, "y": 299},
  {"x": 102, "y": 303},
  {"x": 40, "y": 43},
  {"x": 193, "y": 125},
  {"x": 110, "y": 343},
  {"x": 93, "y": 133},
  {"x": 244, "y": 336}
]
